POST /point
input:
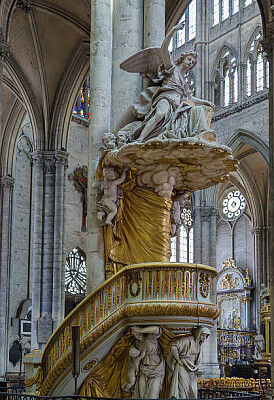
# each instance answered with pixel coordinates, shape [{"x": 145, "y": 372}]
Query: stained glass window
[
  {"x": 225, "y": 9},
  {"x": 173, "y": 244},
  {"x": 186, "y": 217},
  {"x": 192, "y": 20},
  {"x": 75, "y": 272},
  {"x": 248, "y": 77},
  {"x": 235, "y": 6},
  {"x": 233, "y": 204},
  {"x": 81, "y": 107},
  {"x": 247, "y": 2},
  {"x": 189, "y": 31},
  {"x": 181, "y": 34},
  {"x": 257, "y": 73},
  {"x": 182, "y": 245},
  {"x": 267, "y": 74},
  {"x": 216, "y": 12},
  {"x": 226, "y": 80}
]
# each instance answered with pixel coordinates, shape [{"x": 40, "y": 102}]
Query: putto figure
[
  {"x": 111, "y": 194},
  {"x": 184, "y": 364},
  {"x": 168, "y": 108}
]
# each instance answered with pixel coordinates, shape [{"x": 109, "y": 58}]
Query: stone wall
[{"x": 78, "y": 157}]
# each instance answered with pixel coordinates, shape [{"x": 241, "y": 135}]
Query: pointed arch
[
  {"x": 244, "y": 136},
  {"x": 67, "y": 92}
]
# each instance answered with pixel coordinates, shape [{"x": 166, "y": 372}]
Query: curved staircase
[{"x": 175, "y": 295}]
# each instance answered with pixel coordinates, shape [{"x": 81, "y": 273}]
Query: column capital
[
  {"x": 37, "y": 157},
  {"x": 61, "y": 157},
  {"x": 267, "y": 45},
  {"x": 7, "y": 181},
  {"x": 49, "y": 162}
]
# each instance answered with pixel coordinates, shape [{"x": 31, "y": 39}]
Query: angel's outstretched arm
[{"x": 164, "y": 48}]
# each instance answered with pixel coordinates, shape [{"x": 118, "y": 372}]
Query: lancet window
[
  {"x": 81, "y": 107},
  {"x": 182, "y": 245},
  {"x": 257, "y": 67},
  {"x": 223, "y": 9},
  {"x": 189, "y": 31},
  {"x": 75, "y": 272},
  {"x": 226, "y": 79}
]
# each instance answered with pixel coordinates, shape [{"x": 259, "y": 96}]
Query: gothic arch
[
  {"x": 250, "y": 40},
  {"x": 67, "y": 92},
  {"x": 219, "y": 54},
  {"x": 244, "y": 136}
]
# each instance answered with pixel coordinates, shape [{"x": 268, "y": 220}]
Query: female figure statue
[
  {"x": 184, "y": 361},
  {"x": 169, "y": 109},
  {"x": 147, "y": 366}
]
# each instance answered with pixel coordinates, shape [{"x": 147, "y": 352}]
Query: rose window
[{"x": 233, "y": 204}]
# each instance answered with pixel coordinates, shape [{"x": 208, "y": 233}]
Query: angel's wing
[{"x": 146, "y": 62}]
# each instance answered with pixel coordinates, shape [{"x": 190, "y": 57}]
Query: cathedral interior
[{"x": 64, "y": 84}]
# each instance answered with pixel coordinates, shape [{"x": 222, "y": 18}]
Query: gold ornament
[{"x": 204, "y": 285}]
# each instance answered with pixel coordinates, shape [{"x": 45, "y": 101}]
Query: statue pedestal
[{"x": 32, "y": 362}]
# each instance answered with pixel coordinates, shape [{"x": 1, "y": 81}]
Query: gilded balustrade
[
  {"x": 237, "y": 384},
  {"x": 147, "y": 290}
]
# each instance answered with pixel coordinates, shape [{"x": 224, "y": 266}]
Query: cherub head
[
  {"x": 187, "y": 61},
  {"x": 109, "y": 173},
  {"x": 109, "y": 140}
]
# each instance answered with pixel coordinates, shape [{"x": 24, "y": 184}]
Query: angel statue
[{"x": 168, "y": 108}]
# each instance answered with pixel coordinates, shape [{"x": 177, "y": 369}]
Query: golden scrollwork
[
  {"x": 163, "y": 289},
  {"x": 248, "y": 279},
  {"x": 229, "y": 263},
  {"x": 228, "y": 282},
  {"x": 36, "y": 379},
  {"x": 237, "y": 384},
  {"x": 204, "y": 285}
]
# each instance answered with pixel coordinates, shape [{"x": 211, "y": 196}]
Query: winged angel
[{"x": 168, "y": 109}]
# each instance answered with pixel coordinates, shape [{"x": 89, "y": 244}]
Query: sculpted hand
[{"x": 180, "y": 26}]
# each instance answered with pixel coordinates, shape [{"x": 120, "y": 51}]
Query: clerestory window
[
  {"x": 223, "y": 9},
  {"x": 182, "y": 245},
  {"x": 189, "y": 32},
  {"x": 226, "y": 79},
  {"x": 257, "y": 67}
]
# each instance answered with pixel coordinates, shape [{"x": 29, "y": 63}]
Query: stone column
[
  {"x": 58, "y": 261},
  {"x": 246, "y": 302},
  {"x": 127, "y": 40},
  {"x": 154, "y": 23},
  {"x": 201, "y": 74},
  {"x": 268, "y": 44},
  {"x": 258, "y": 269},
  {"x": 99, "y": 123},
  {"x": 5, "y": 247},
  {"x": 207, "y": 241},
  {"x": 38, "y": 180},
  {"x": 48, "y": 250}
]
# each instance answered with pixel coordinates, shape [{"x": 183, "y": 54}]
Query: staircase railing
[{"x": 173, "y": 289}]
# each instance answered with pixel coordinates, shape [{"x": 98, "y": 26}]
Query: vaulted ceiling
[{"x": 48, "y": 60}]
